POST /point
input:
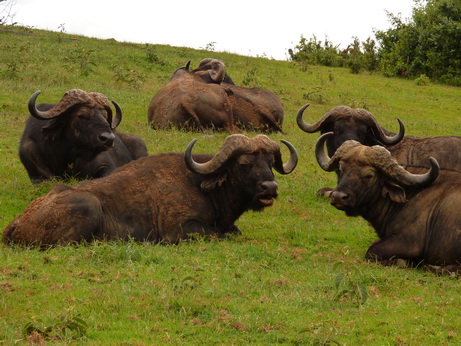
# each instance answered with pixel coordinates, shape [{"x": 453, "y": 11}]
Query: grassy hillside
[{"x": 273, "y": 284}]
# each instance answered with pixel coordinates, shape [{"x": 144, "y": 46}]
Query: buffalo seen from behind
[
  {"x": 76, "y": 138},
  {"x": 207, "y": 98},
  {"x": 360, "y": 125},
  {"x": 416, "y": 216},
  {"x": 188, "y": 102},
  {"x": 160, "y": 198}
]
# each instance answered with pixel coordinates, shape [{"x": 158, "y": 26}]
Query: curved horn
[
  {"x": 71, "y": 98},
  {"x": 378, "y": 130},
  {"x": 324, "y": 161},
  {"x": 289, "y": 166},
  {"x": 187, "y": 66},
  {"x": 35, "y": 112},
  {"x": 311, "y": 128},
  {"x": 118, "y": 115},
  {"x": 233, "y": 144},
  {"x": 189, "y": 161},
  {"x": 389, "y": 166}
]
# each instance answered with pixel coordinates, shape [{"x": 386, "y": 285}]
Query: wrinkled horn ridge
[
  {"x": 401, "y": 175},
  {"x": 233, "y": 144}
]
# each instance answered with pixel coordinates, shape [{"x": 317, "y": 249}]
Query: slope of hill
[{"x": 274, "y": 284}]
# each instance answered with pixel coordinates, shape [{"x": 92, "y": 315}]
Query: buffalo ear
[
  {"x": 214, "y": 181},
  {"x": 52, "y": 129},
  {"x": 395, "y": 192}
]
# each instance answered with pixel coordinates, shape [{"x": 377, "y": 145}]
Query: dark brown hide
[
  {"x": 75, "y": 138},
  {"x": 156, "y": 198},
  {"x": 252, "y": 108},
  {"x": 415, "y": 215},
  {"x": 188, "y": 102},
  {"x": 350, "y": 124},
  {"x": 256, "y": 109}
]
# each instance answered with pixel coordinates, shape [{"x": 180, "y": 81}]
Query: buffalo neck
[{"x": 229, "y": 203}]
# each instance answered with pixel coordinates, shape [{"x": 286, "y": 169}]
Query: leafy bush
[{"x": 427, "y": 44}]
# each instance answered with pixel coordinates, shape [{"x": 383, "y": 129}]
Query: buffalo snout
[
  {"x": 269, "y": 186},
  {"x": 340, "y": 199},
  {"x": 106, "y": 139}
]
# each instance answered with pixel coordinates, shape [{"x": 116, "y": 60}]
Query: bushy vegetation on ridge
[{"x": 425, "y": 46}]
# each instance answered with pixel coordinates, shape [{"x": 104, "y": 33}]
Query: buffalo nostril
[
  {"x": 339, "y": 195},
  {"x": 269, "y": 185},
  {"x": 106, "y": 138}
]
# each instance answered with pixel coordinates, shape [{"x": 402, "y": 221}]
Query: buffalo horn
[
  {"x": 118, "y": 115},
  {"x": 392, "y": 169},
  {"x": 71, "y": 98},
  {"x": 289, "y": 166},
  {"x": 35, "y": 112},
  {"x": 238, "y": 143},
  {"x": 232, "y": 144},
  {"x": 378, "y": 130},
  {"x": 322, "y": 157}
]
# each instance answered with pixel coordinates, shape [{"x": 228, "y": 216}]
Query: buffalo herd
[{"x": 406, "y": 187}]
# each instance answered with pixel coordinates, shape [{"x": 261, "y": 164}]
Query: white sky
[{"x": 245, "y": 27}]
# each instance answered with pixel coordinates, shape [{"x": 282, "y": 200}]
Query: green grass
[{"x": 274, "y": 284}]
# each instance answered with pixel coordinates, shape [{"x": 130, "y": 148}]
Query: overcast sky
[{"x": 247, "y": 27}]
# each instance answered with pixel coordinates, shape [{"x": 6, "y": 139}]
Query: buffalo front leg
[{"x": 392, "y": 250}]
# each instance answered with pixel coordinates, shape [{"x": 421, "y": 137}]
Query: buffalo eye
[{"x": 368, "y": 176}]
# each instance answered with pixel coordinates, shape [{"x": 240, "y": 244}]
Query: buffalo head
[
  {"x": 350, "y": 124},
  {"x": 213, "y": 71},
  {"x": 85, "y": 119},
  {"x": 367, "y": 174},
  {"x": 246, "y": 163}
]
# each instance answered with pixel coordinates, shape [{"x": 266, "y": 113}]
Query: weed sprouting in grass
[
  {"x": 348, "y": 286},
  {"x": 80, "y": 60},
  {"x": 251, "y": 78},
  {"x": 128, "y": 76},
  {"x": 152, "y": 55},
  {"x": 64, "y": 327},
  {"x": 317, "y": 95}
]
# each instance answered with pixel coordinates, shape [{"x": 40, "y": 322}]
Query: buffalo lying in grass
[
  {"x": 76, "y": 138},
  {"x": 161, "y": 198},
  {"x": 416, "y": 216}
]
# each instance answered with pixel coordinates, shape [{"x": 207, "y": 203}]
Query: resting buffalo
[
  {"x": 213, "y": 71},
  {"x": 359, "y": 124},
  {"x": 350, "y": 124},
  {"x": 188, "y": 102},
  {"x": 416, "y": 216},
  {"x": 75, "y": 138},
  {"x": 253, "y": 108},
  {"x": 162, "y": 198}
]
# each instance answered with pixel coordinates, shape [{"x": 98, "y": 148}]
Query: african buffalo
[
  {"x": 253, "y": 108},
  {"x": 359, "y": 124},
  {"x": 161, "y": 198},
  {"x": 188, "y": 102},
  {"x": 213, "y": 71},
  {"x": 350, "y": 123},
  {"x": 416, "y": 216},
  {"x": 75, "y": 138}
]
